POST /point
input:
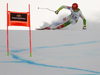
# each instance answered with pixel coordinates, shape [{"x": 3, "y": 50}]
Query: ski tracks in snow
[{"x": 20, "y": 59}]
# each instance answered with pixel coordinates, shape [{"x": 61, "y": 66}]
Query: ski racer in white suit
[{"x": 71, "y": 19}]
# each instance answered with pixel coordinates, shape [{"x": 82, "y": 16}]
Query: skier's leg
[
  {"x": 64, "y": 22},
  {"x": 67, "y": 21},
  {"x": 56, "y": 24},
  {"x": 48, "y": 28},
  {"x": 64, "y": 25}
]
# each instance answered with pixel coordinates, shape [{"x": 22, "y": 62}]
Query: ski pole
[{"x": 47, "y": 9}]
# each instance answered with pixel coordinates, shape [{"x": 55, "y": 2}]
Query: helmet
[{"x": 74, "y": 6}]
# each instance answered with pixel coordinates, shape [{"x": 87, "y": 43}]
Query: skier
[{"x": 71, "y": 19}]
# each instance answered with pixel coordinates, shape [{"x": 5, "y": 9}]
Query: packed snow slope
[{"x": 54, "y": 52}]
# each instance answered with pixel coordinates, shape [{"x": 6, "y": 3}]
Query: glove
[
  {"x": 84, "y": 27},
  {"x": 56, "y": 11}
]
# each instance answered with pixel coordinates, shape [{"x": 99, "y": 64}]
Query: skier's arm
[
  {"x": 84, "y": 20},
  {"x": 63, "y": 6}
]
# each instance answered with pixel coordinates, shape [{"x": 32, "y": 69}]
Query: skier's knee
[{"x": 66, "y": 24}]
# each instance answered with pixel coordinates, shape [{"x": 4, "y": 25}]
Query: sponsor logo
[{"x": 18, "y": 17}]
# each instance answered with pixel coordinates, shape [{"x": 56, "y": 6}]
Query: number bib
[{"x": 74, "y": 15}]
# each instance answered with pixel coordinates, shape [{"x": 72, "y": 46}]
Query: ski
[
  {"x": 46, "y": 28},
  {"x": 40, "y": 28}
]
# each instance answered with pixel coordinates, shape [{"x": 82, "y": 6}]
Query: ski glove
[
  {"x": 84, "y": 27},
  {"x": 56, "y": 11}
]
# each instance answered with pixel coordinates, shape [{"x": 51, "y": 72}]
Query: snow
[{"x": 54, "y": 52}]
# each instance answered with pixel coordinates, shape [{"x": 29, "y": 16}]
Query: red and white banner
[{"x": 18, "y": 18}]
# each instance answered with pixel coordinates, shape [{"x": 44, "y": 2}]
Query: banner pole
[
  {"x": 30, "y": 33},
  {"x": 7, "y": 34},
  {"x": 7, "y": 42},
  {"x": 30, "y": 41}
]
